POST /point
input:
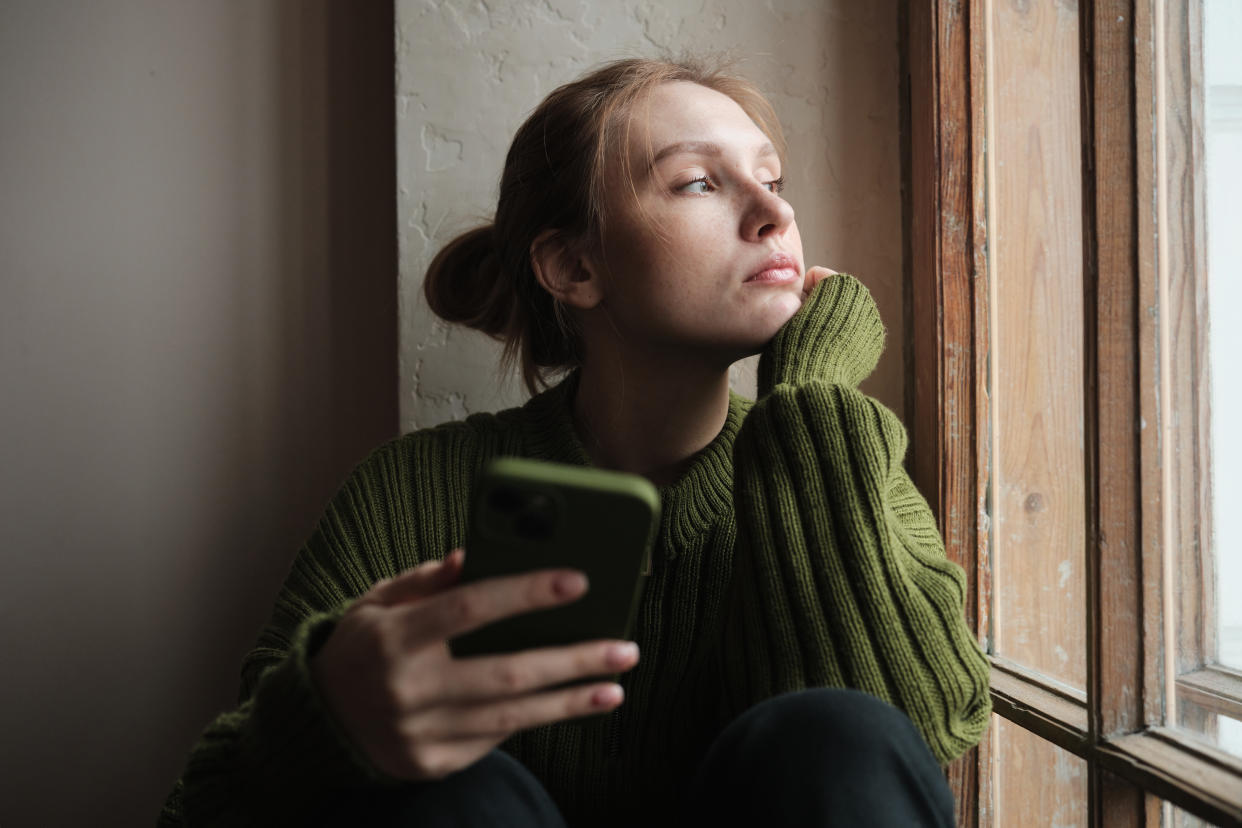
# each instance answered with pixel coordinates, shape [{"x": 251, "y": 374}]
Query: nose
[{"x": 767, "y": 214}]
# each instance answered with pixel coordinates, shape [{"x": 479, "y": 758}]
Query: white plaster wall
[{"x": 469, "y": 71}]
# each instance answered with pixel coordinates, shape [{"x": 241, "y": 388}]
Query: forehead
[{"x": 680, "y": 111}]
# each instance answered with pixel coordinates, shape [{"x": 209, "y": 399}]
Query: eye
[
  {"x": 699, "y": 186},
  {"x": 776, "y": 186}
]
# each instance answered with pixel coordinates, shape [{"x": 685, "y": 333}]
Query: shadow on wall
[
  {"x": 198, "y": 331},
  {"x": 866, "y": 171},
  {"x": 335, "y": 296}
]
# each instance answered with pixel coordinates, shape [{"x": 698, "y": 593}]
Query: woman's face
[{"x": 704, "y": 254}]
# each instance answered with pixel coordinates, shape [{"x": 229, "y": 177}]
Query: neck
[{"x": 649, "y": 417}]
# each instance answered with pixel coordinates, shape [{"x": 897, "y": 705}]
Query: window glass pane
[
  {"x": 1209, "y": 718},
  {"x": 1175, "y": 817},
  {"x": 1222, "y": 74},
  {"x": 1036, "y": 493},
  {"x": 1229, "y": 734},
  {"x": 1035, "y": 782},
  {"x": 1202, "y": 263}
]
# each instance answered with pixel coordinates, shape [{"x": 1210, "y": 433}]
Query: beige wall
[
  {"x": 197, "y": 339},
  {"x": 468, "y": 73}
]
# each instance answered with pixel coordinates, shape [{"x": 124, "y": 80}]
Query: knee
[
  {"x": 846, "y": 730},
  {"x": 821, "y": 757}
]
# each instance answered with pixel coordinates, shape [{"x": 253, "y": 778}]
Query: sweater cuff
[
  {"x": 295, "y": 739},
  {"x": 279, "y": 752},
  {"x": 836, "y": 336}
]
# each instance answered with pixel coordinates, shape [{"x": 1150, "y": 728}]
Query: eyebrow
[{"x": 705, "y": 148}]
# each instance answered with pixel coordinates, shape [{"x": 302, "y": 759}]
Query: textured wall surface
[{"x": 469, "y": 72}]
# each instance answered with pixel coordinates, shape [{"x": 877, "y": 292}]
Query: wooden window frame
[
  {"x": 1116, "y": 726},
  {"x": 1215, "y": 688}
]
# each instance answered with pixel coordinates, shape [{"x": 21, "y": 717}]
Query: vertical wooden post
[
  {"x": 946, "y": 301},
  {"x": 1115, "y": 589}
]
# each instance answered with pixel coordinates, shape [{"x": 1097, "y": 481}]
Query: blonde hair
[{"x": 553, "y": 179}]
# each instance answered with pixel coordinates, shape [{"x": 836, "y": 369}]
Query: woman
[{"x": 641, "y": 242}]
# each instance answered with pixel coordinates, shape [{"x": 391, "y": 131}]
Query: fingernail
[
  {"x": 570, "y": 584},
  {"x": 608, "y": 696},
  {"x": 620, "y": 655}
]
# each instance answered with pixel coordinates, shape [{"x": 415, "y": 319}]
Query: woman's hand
[
  {"x": 417, "y": 713},
  {"x": 813, "y": 277}
]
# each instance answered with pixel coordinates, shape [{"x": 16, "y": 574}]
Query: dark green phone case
[{"x": 530, "y": 514}]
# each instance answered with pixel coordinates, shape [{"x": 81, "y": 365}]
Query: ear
[{"x": 564, "y": 272}]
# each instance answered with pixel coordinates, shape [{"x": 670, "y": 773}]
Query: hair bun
[{"x": 465, "y": 283}]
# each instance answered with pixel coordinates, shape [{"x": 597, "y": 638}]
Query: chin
[
  {"x": 749, "y": 334},
  {"x": 753, "y": 341},
  {"x": 776, "y": 312}
]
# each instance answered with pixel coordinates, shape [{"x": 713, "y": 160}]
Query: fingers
[
  {"x": 419, "y": 582},
  {"x": 492, "y": 677},
  {"x": 500, "y": 719},
  {"x": 455, "y": 611},
  {"x": 814, "y": 276}
]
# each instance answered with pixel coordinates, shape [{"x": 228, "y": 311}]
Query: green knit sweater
[{"x": 795, "y": 552}]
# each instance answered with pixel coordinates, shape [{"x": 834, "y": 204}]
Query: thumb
[
  {"x": 423, "y": 580},
  {"x": 815, "y": 275}
]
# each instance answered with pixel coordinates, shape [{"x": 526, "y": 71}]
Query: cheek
[
  {"x": 699, "y": 247},
  {"x": 685, "y": 275},
  {"x": 674, "y": 263}
]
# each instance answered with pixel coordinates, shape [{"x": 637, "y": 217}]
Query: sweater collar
[{"x": 689, "y": 506}]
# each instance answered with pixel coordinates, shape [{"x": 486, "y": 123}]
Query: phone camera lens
[
  {"x": 533, "y": 525},
  {"x": 505, "y": 500}
]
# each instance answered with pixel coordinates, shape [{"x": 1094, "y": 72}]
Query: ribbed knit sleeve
[
  {"x": 840, "y": 575},
  {"x": 276, "y": 757}
]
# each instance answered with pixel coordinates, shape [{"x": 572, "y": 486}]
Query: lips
[{"x": 778, "y": 268}]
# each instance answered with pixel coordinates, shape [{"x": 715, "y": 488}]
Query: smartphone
[{"x": 531, "y": 514}]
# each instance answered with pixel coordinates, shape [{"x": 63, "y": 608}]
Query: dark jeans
[{"x": 813, "y": 758}]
